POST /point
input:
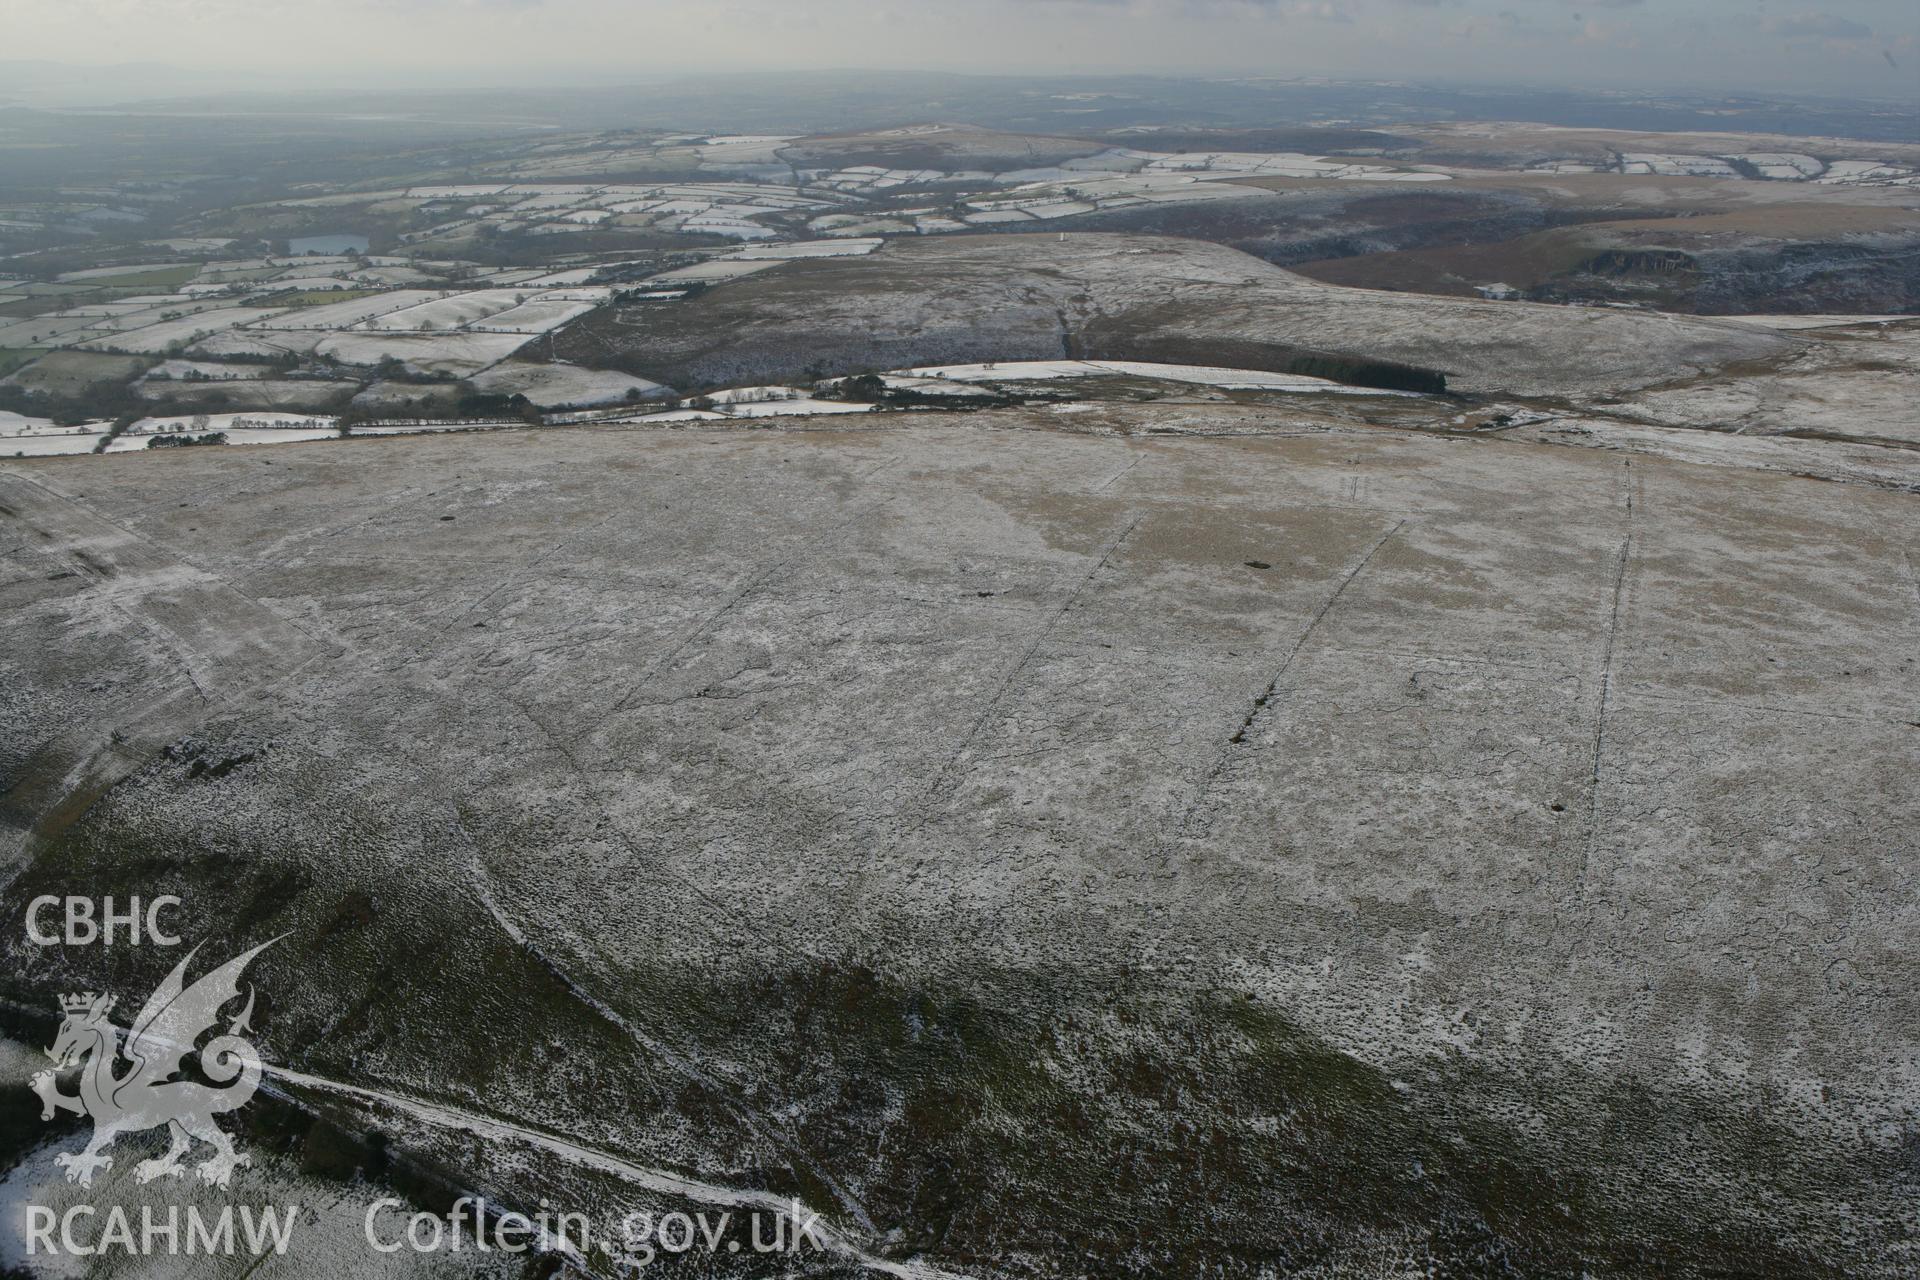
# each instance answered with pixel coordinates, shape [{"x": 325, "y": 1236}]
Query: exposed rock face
[
  {"x": 1880, "y": 274},
  {"x": 1855, "y": 276}
]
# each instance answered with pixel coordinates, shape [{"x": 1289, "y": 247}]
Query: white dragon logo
[{"x": 146, "y": 1096}]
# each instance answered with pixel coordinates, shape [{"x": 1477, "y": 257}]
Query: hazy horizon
[{"x": 1855, "y": 48}]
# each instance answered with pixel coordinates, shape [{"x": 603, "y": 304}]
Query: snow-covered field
[
  {"x": 734, "y": 228},
  {"x": 344, "y": 315},
  {"x": 863, "y": 178},
  {"x": 757, "y": 402},
  {"x": 729, "y": 208},
  {"x": 429, "y": 428},
  {"x": 554, "y": 385},
  {"x": 537, "y": 316},
  {"x": 459, "y": 354},
  {"x": 1280, "y": 165},
  {"x": 44, "y": 331},
  {"x": 717, "y": 269},
  {"x": 455, "y": 312},
  {"x": 1115, "y": 179},
  {"x": 18, "y": 424},
  {"x": 806, "y": 249},
  {"x": 203, "y": 371},
  {"x": 128, "y": 307},
  {"x": 1867, "y": 172},
  {"x": 235, "y": 436},
  {"x": 47, "y": 446},
  {"x": 157, "y": 338},
  {"x": 1816, "y": 322},
  {"x": 754, "y": 395},
  {"x": 1074, "y": 637},
  {"x": 28, "y": 437},
  {"x": 575, "y": 293},
  {"x": 260, "y": 342},
  {"x": 239, "y": 428},
  {"x": 264, "y": 421},
  {"x": 440, "y": 312},
  {"x": 801, "y": 407},
  {"x": 845, "y": 225},
  {"x": 1787, "y": 165},
  {"x": 1676, "y": 165},
  {"x": 740, "y": 210},
  {"x": 936, "y": 386},
  {"x": 1199, "y": 375},
  {"x": 1775, "y": 166},
  {"x": 147, "y": 313},
  {"x": 676, "y": 415}
]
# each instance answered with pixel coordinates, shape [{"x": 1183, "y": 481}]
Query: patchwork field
[{"x": 643, "y": 253}]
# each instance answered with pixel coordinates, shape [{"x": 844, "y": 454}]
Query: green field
[
  {"x": 12, "y": 358},
  {"x": 229, "y": 277},
  {"x": 72, "y": 372},
  {"x": 165, "y": 277},
  {"x": 316, "y": 297}
]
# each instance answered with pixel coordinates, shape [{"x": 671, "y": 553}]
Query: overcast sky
[{"x": 1862, "y": 47}]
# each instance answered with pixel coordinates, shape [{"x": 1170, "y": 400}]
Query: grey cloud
[{"x": 1829, "y": 25}]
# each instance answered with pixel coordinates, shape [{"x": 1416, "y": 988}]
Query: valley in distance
[{"x": 986, "y": 677}]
